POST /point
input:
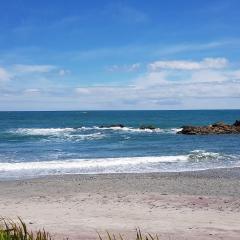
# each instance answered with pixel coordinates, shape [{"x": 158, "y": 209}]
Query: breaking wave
[
  {"x": 138, "y": 130},
  {"x": 67, "y": 131},
  {"x": 195, "y": 160},
  {"x": 62, "y": 133},
  {"x": 42, "y": 131}
]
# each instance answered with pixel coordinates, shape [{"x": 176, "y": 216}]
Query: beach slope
[{"x": 189, "y": 205}]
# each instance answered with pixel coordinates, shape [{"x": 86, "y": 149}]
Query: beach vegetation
[
  {"x": 18, "y": 230},
  {"x": 139, "y": 236}
]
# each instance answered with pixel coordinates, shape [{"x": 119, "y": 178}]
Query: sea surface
[{"x": 34, "y": 144}]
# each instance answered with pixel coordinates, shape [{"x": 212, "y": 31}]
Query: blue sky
[{"x": 70, "y": 55}]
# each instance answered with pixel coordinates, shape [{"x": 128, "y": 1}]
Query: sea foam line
[
  {"x": 89, "y": 163},
  {"x": 65, "y": 133},
  {"x": 69, "y": 131},
  {"x": 197, "y": 155},
  {"x": 42, "y": 131}
]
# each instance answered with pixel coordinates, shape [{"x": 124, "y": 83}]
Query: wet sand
[{"x": 189, "y": 205}]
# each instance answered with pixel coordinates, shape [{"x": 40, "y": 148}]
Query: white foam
[
  {"x": 68, "y": 132},
  {"x": 89, "y": 163},
  {"x": 65, "y": 133},
  {"x": 42, "y": 131},
  {"x": 195, "y": 160},
  {"x": 201, "y": 154},
  {"x": 91, "y": 136},
  {"x": 139, "y": 130},
  {"x": 175, "y": 130}
]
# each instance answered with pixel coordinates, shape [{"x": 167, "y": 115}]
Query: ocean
[{"x": 34, "y": 144}]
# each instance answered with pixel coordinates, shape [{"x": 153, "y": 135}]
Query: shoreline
[
  {"x": 226, "y": 172},
  {"x": 75, "y": 206}
]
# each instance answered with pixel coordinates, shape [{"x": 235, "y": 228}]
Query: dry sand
[{"x": 196, "y": 205}]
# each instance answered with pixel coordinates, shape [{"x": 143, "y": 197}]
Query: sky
[{"x": 117, "y": 55}]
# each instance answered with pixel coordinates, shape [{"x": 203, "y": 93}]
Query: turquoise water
[{"x": 48, "y": 143}]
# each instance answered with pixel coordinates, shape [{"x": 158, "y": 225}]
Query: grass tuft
[
  {"x": 10, "y": 230},
  {"x": 17, "y": 230},
  {"x": 139, "y": 236}
]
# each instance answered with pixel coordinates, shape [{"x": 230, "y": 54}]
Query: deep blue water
[{"x": 41, "y": 143}]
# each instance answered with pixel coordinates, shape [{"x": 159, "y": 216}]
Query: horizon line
[{"x": 113, "y": 110}]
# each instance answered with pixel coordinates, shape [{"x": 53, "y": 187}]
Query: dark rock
[
  {"x": 117, "y": 125},
  {"x": 237, "y": 123},
  {"x": 144, "y": 127},
  {"x": 111, "y": 126},
  {"x": 216, "y": 128}
]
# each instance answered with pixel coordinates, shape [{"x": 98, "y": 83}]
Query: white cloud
[
  {"x": 210, "y": 84},
  {"x": 206, "y": 63},
  {"x": 162, "y": 94},
  {"x": 158, "y": 89},
  {"x": 235, "y": 75},
  {"x": 214, "y": 63},
  {"x": 165, "y": 96},
  {"x": 151, "y": 79},
  {"x": 82, "y": 90},
  {"x": 32, "y": 91},
  {"x": 63, "y": 72},
  {"x": 209, "y": 76},
  {"x": 124, "y": 68},
  {"x": 21, "y": 68},
  {"x": 4, "y": 75}
]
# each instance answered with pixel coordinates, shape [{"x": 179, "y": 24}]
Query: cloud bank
[{"x": 176, "y": 84}]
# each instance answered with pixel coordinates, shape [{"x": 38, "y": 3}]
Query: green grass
[
  {"x": 139, "y": 236},
  {"x": 10, "y": 230},
  {"x": 17, "y": 230}
]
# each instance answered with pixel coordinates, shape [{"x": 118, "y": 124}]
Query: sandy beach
[{"x": 188, "y": 205}]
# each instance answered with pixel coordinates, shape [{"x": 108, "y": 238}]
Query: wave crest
[
  {"x": 84, "y": 133},
  {"x": 42, "y": 131},
  {"x": 195, "y": 160},
  {"x": 62, "y": 133}
]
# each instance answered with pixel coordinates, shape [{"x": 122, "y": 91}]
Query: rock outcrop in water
[
  {"x": 147, "y": 127},
  {"x": 142, "y": 127},
  {"x": 113, "y": 126},
  {"x": 216, "y": 128}
]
